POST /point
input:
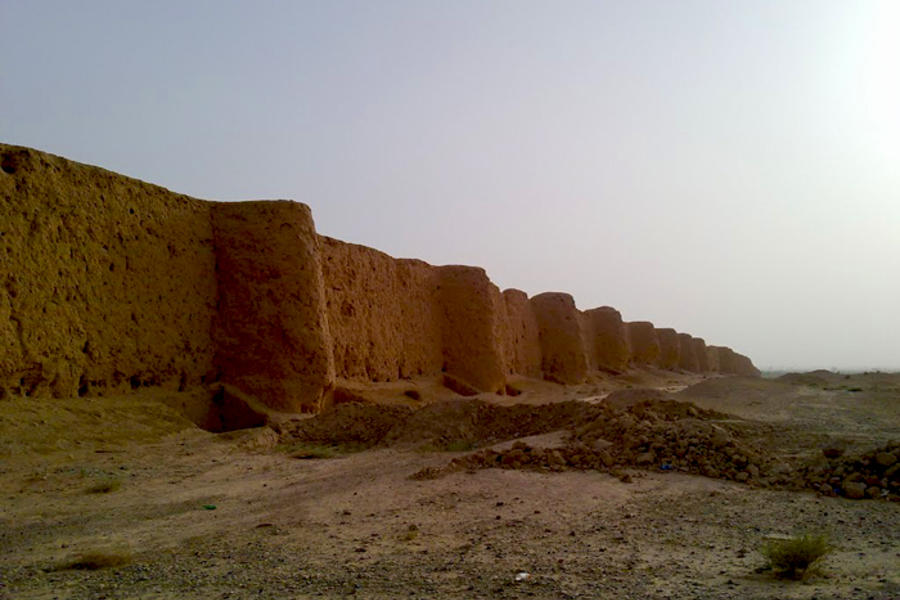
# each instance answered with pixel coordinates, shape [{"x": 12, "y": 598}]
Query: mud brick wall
[
  {"x": 669, "y": 348},
  {"x": 522, "y": 347},
  {"x": 382, "y": 312},
  {"x": 643, "y": 342},
  {"x": 608, "y": 339},
  {"x": 473, "y": 326},
  {"x": 110, "y": 284},
  {"x": 701, "y": 354},
  {"x": 271, "y": 331},
  {"x": 564, "y": 357},
  {"x": 687, "y": 356}
]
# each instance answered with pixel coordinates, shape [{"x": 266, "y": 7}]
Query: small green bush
[{"x": 796, "y": 557}]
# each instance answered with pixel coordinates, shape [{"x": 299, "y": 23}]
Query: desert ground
[{"x": 414, "y": 493}]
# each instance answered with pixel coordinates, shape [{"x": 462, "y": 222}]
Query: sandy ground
[{"x": 198, "y": 515}]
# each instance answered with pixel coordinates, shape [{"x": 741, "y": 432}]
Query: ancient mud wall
[
  {"x": 473, "y": 327},
  {"x": 608, "y": 339},
  {"x": 271, "y": 333},
  {"x": 643, "y": 343},
  {"x": 669, "y": 348},
  {"x": 108, "y": 283},
  {"x": 522, "y": 343},
  {"x": 712, "y": 359},
  {"x": 111, "y": 283},
  {"x": 687, "y": 357},
  {"x": 563, "y": 348},
  {"x": 383, "y": 313},
  {"x": 701, "y": 354}
]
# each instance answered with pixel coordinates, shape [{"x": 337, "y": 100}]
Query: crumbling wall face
[
  {"x": 608, "y": 339},
  {"x": 382, "y": 313},
  {"x": 564, "y": 357},
  {"x": 108, "y": 283},
  {"x": 271, "y": 333},
  {"x": 522, "y": 341},
  {"x": 669, "y": 348},
  {"x": 643, "y": 342},
  {"x": 701, "y": 354},
  {"x": 473, "y": 327},
  {"x": 688, "y": 360}
]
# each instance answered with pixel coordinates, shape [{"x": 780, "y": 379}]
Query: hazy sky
[{"x": 730, "y": 169}]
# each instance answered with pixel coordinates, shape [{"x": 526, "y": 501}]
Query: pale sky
[{"x": 729, "y": 169}]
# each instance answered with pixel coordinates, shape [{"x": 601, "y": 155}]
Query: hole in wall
[{"x": 7, "y": 164}]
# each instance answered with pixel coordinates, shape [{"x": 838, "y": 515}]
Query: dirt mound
[
  {"x": 453, "y": 423},
  {"x": 479, "y": 423},
  {"x": 627, "y": 397},
  {"x": 656, "y": 433},
  {"x": 362, "y": 425},
  {"x": 814, "y": 378}
]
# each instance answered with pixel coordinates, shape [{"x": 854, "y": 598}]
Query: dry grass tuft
[
  {"x": 92, "y": 561},
  {"x": 796, "y": 557},
  {"x": 105, "y": 486}
]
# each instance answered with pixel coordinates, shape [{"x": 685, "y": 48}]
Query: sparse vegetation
[
  {"x": 410, "y": 534},
  {"x": 92, "y": 561},
  {"x": 458, "y": 445},
  {"x": 310, "y": 451},
  {"x": 105, "y": 486},
  {"x": 796, "y": 557}
]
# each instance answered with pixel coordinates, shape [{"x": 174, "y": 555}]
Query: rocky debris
[
  {"x": 644, "y": 429},
  {"x": 655, "y": 433},
  {"x": 873, "y": 474},
  {"x": 463, "y": 422},
  {"x": 360, "y": 424}
]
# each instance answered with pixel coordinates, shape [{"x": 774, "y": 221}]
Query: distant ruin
[{"x": 113, "y": 284}]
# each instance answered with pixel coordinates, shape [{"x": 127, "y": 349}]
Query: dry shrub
[
  {"x": 796, "y": 557},
  {"x": 105, "y": 486},
  {"x": 92, "y": 561}
]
